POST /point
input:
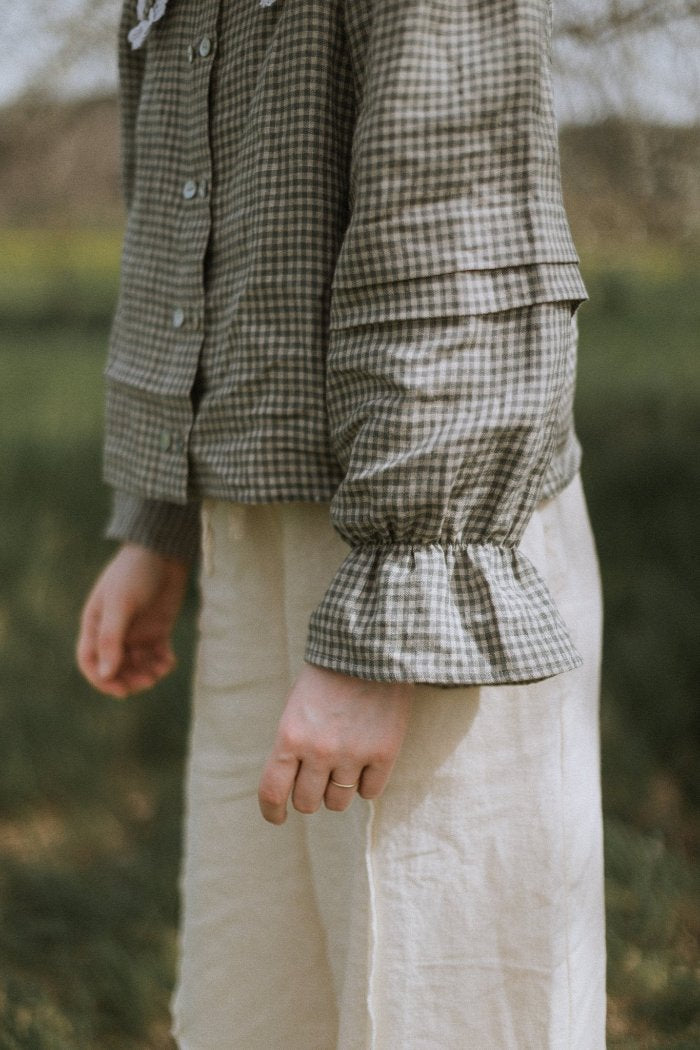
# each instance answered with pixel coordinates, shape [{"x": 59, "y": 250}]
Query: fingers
[
  {"x": 111, "y": 632},
  {"x": 124, "y": 642},
  {"x": 86, "y": 653},
  {"x": 310, "y": 785},
  {"x": 373, "y": 781},
  {"x": 107, "y": 660},
  {"x": 334, "y": 727},
  {"x": 100, "y": 648},
  {"x": 87, "y": 649},
  {"x": 340, "y": 798},
  {"x": 275, "y": 787},
  {"x": 141, "y": 668}
]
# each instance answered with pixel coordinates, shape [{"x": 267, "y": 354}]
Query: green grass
[
  {"x": 637, "y": 407},
  {"x": 57, "y": 277},
  {"x": 90, "y": 801},
  {"x": 89, "y": 787}
]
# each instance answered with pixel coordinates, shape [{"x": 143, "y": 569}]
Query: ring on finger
[{"x": 332, "y": 781}]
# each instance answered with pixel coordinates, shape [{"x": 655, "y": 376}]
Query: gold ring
[{"x": 343, "y": 785}]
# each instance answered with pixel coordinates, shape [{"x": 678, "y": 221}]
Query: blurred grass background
[{"x": 90, "y": 788}]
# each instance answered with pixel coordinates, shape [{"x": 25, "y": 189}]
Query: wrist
[
  {"x": 398, "y": 685},
  {"x": 169, "y": 561}
]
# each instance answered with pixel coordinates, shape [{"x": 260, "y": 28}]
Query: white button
[
  {"x": 189, "y": 189},
  {"x": 178, "y": 317},
  {"x": 204, "y": 46}
]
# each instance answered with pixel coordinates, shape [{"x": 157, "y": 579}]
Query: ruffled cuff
[
  {"x": 170, "y": 529},
  {"x": 445, "y": 614}
]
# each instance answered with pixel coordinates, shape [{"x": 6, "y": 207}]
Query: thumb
[{"x": 110, "y": 640}]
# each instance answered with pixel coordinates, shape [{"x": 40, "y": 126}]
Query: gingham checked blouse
[{"x": 347, "y": 275}]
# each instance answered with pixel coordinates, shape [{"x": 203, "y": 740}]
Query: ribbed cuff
[{"x": 170, "y": 529}]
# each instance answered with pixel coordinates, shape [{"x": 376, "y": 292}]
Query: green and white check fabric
[
  {"x": 441, "y": 475},
  {"x": 347, "y": 275}
]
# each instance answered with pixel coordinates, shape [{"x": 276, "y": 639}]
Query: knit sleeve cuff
[
  {"x": 452, "y": 614},
  {"x": 170, "y": 529}
]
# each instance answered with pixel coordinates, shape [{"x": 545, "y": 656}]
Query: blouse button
[
  {"x": 189, "y": 189},
  {"x": 178, "y": 317},
  {"x": 204, "y": 46}
]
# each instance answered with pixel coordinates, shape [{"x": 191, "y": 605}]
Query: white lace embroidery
[{"x": 149, "y": 12}]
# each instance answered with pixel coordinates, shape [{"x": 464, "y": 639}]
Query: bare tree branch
[
  {"x": 625, "y": 16},
  {"x": 606, "y": 52}
]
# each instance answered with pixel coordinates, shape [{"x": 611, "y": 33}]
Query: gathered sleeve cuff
[
  {"x": 169, "y": 529},
  {"x": 445, "y": 429},
  {"x": 451, "y": 349},
  {"x": 448, "y": 614}
]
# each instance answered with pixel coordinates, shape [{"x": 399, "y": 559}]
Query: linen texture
[
  {"x": 444, "y": 435},
  {"x": 465, "y": 907},
  {"x": 318, "y": 191}
]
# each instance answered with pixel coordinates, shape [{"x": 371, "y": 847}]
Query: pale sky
[{"x": 655, "y": 75}]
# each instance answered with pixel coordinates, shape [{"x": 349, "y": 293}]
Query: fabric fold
[
  {"x": 445, "y": 429},
  {"x": 447, "y": 614}
]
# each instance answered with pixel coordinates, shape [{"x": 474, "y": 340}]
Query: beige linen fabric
[{"x": 463, "y": 909}]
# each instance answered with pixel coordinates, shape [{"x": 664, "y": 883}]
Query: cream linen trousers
[{"x": 464, "y": 909}]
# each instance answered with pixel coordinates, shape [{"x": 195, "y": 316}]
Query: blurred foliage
[
  {"x": 629, "y": 182},
  {"x": 63, "y": 279},
  {"x": 638, "y": 420},
  {"x": 90, "y": 788},
  {"x": 651, "y": 45},
  {"x": 633, "y": 184}
]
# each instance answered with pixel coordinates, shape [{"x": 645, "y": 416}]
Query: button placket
[
  {"x": 203, "y": 49},
  {"x": 192, "y": 196}
]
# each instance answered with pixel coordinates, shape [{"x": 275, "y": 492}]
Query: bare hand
[
  {"x": 333, "y": 725},
  {"x": 124, "y": 644}
]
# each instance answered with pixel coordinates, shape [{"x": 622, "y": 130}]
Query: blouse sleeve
[
  {"x": 443, "y": 409},
  {"x": 170, "y": 529},
  {"x": 444, "y": 430}
]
